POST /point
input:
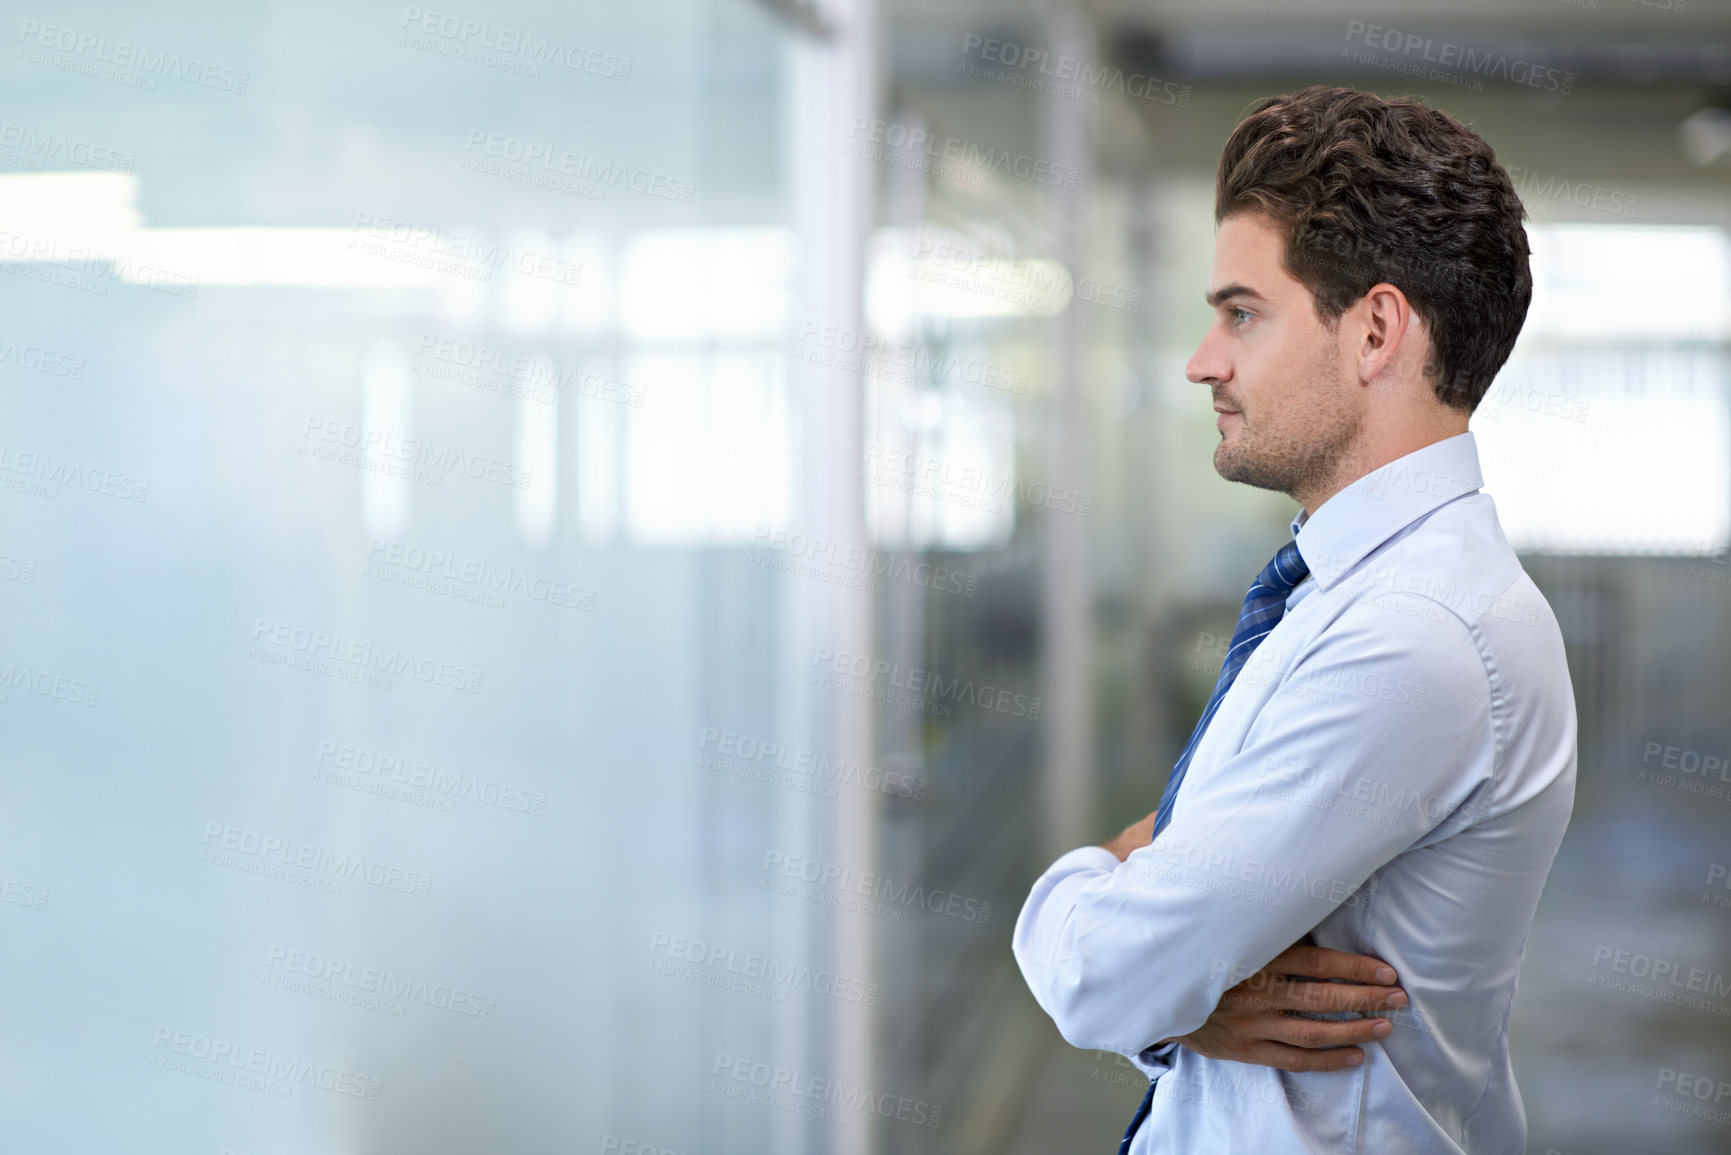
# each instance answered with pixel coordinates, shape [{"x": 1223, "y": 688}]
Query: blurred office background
[{"x": 566, "y": 565}]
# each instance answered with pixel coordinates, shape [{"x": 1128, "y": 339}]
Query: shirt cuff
[{"x": 1151, "y": 1061}]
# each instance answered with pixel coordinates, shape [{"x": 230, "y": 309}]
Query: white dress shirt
[{"x": 1390, "y": 775}]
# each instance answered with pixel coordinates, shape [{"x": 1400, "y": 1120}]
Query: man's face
[{"x": 1288, "y": 408}]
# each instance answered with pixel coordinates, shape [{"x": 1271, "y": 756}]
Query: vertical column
[
  {"x": 904, "y": 603},
  {"x": 833, "y": 84},
  {"x": 1066, "y": 611}
]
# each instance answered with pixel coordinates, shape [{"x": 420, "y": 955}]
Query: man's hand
[
  {"x": 1134, "y": 837},
  {"x": 1251, "y": 1024}
]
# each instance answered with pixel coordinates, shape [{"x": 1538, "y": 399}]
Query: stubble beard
[{"x": 1319, "y": 436}]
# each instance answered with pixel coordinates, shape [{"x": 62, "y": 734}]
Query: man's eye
[{"x": 1239, "y": 316}]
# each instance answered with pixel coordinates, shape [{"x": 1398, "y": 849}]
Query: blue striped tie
[{"x": 1263, "y": 607}]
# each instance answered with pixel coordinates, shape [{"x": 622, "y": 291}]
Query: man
[{"x": 1382, "y": 778}]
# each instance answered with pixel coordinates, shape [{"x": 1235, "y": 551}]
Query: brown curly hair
[{"x": 1369, "y": 190}]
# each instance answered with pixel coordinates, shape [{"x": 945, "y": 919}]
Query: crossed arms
[
  {"x": 1254, "y": 1023},
  {"x": 1193, "y": 937}
]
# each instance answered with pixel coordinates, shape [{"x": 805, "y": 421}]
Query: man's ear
[{"x": 1393, "y": 341}]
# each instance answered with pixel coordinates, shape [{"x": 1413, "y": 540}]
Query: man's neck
[{"x": 1363, "y": 459}]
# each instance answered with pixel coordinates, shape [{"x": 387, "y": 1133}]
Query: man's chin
[
  {"x": 1232, "y": 466},
  {"x": 1226, "y": 463}
]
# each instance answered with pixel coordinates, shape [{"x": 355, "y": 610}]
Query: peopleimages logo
[
  {"x": 438, "y": 571},
  {"x": 335, "y": 972},
  {"x": 254, "y": 1067},
  {"x": 472, "y": 257},
  {"x": 35, "y": 149},
  {"x": 283, "y": 643},
  {"x": 584, "y": 169},
  {"x": 48, "y": 684},
  {"x": 1717, "y": 872},
  {"x": 28, "y": 356},
  {"x": 929, "y": 685},
  {"x": 728, "y": 752},
  {"x": 516, "y": 46},
  {"x": 1670, "y": 972},
  {"x": 967, "y": 483},
  {"x": 825, "y": 559},
  {"x": 1257, "y": 881},
  {"x": 1685, "y": 1087},
  {"x": 87, "y": 270},
  {"x": 26, "y": 895},
  {"x": 800, "y": 1094},
  {"x": 315, "y": 863},
  {"x": 906, "y": 362},
  {"x": 917, "y": 141},
  {"x": 1065, "y": 75},
  {"x": 1455, "y": 58},
  {"x": 521, "y": 375},
  {"x": 875, "y": 886},
  {"x": 1356, "y": 795},
  {"x": 88, "y": 53},
  {"x": 727, "y": 966},
  {"x": 1685, "y": 769},
  {"x": 1535, "y": 189},
  {"x": 45, "y": 467},
  {"x": 372, "y": 768},
  {"x": 404, "y": 456}
]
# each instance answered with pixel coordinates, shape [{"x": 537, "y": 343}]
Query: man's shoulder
[
  {"x": 1458, "y": 561},
  {"x": 1456, "y": 573}
]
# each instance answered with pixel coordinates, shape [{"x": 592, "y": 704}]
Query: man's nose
[{"x": 1206, "y": 366}]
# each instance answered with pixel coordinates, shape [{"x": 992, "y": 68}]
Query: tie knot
[{"x": 1284, "y": 572}]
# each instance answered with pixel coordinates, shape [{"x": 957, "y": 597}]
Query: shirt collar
[{"x": 1348, "y": 526}]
